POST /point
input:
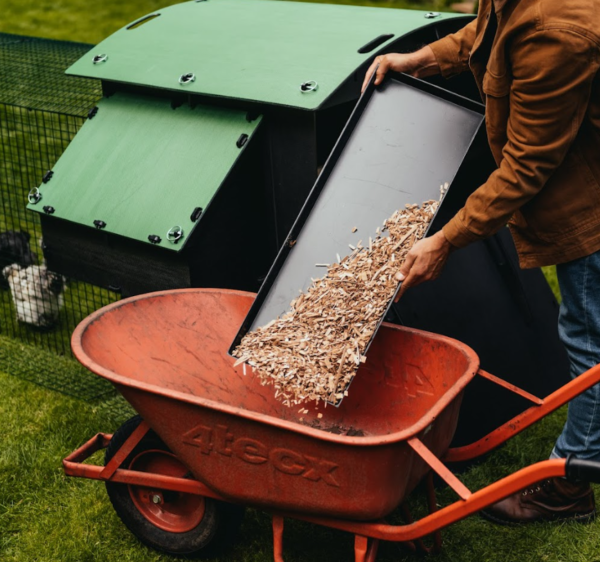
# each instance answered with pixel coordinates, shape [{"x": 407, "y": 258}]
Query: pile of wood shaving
[{"x": 314, "y": 350}]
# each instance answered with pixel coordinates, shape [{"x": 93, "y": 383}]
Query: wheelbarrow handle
[{"x": 581, "y": 469}]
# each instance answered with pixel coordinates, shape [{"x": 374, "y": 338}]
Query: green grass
[
  {"x": 90, "y": 22},
  {"x": 34, "y": 364},
  {"x": 48, "y": 517},
  {"x": 550, "y": 275},
  {"x": 73, "y": 20}
]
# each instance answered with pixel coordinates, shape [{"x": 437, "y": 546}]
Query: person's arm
[
  {"x": 552, "y": 73},
  {"x": 552, "y": 77},
  {"x": 449, "y": 55},
  {"x": 453, "y": 51}
]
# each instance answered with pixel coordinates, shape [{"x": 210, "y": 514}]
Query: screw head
[
  {"x": 186, "y": 79},
  {"x": 100, "y": 58},
  {"x": 34, "y": 196},
  {"x": 309, "y": 86},
  {"x": 156, "y": 499},
  {"x": 175, "y": 234}
]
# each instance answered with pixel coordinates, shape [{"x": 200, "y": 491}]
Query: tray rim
[{"x": 317, "y": 189}]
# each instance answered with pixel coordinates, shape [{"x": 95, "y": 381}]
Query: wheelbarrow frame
[{"x": 368, "y": 533}]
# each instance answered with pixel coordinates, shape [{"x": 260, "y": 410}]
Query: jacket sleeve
[
  {"x": 552, "y": 74},
  {"x": 452, "y": 52}
]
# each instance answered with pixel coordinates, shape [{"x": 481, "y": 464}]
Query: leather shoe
[{"x": 549, "y": 500}]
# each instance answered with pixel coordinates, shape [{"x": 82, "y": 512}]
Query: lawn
[
  {"x": 47, "y": 517},
  {"x": 81, "y": 20}
]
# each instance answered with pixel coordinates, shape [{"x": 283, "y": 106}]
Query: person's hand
[
  {"x": 424, "y": 261},
  {"x": 420, "y": 63},
  {"x": 397, "y": 62}
]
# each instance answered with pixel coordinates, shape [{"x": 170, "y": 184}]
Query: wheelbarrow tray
[{"x": 166, "y": 353}]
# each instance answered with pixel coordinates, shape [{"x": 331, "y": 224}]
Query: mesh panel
[
  {"x": 41, "y": 110},
  {"x": 32, "y": 75}
]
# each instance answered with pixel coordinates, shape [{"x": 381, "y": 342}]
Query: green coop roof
[
  {"x": 142, "y": 168},
  {"x": 258, "y": 50}
]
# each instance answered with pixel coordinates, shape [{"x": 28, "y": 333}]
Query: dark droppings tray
[{"x": 403, "y": 141}]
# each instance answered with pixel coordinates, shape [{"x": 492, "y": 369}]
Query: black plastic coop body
[{"x": 216, "y": 119}]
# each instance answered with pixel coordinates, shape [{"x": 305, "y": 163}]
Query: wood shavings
[{"x": 312, "y": 352}]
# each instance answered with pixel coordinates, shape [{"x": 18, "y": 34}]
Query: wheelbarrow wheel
[{"x": 172, "y": 522}]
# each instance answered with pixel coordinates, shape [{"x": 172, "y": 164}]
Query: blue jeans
[{"x": 579, "y": 330}]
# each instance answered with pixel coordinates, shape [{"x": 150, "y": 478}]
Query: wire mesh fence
[{"x": 41, "y": 110}]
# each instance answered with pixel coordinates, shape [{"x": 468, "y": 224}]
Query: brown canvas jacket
[{"x": 540, "y": 83}]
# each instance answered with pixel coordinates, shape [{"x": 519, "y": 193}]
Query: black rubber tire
[{"x": 215, "y": 532}]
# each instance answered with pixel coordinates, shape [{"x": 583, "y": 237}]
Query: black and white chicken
[{"x": 37, "y": 293}]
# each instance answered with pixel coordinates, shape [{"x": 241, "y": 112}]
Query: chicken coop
[{"x": 201, "y": 130}]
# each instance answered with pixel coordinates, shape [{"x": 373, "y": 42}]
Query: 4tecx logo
[{"x": 221, "y": 441}]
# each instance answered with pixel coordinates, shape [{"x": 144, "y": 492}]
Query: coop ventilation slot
[
  {"x": 377, "y": 42},
  {"x": 142, "y": 21}
]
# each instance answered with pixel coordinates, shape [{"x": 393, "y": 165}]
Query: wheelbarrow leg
[
  {"x": 278, "y": 538},
  {"x": 365, "y": 549},
  {"x": 432, "y": 502},
  {"x": 418, "y": 545},
  {"x": 129, "y": 445}
]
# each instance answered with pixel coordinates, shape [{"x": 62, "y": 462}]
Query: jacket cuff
[{"x": 458, "y": 234}]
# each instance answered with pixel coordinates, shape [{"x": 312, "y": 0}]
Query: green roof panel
[
  {"x": 259, "y": 50},
  {"x": 142, "y": 167}
]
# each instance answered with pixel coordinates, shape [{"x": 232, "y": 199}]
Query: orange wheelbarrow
[{"x": 210, "y": 439}]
